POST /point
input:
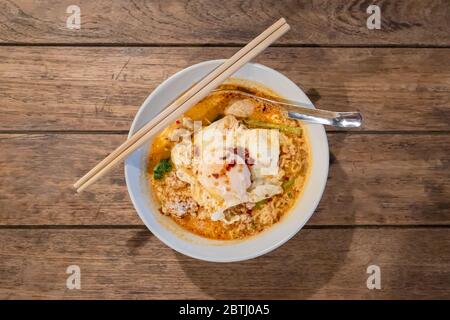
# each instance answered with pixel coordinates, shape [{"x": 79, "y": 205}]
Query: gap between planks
[
  {"x": 221, "y": 45},
  {"x": 143, "y": 227}
]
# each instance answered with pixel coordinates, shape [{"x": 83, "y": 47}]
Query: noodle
[{"x": 174, "y": 195}]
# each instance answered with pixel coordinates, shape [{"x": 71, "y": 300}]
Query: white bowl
[{"x": 214, "y": 250}]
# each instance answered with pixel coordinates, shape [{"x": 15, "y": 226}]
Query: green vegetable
[
  {"x": 286, "y": 185},
  {"x": 259, "y": 204},
  {"x": 269, "y": 125},
  {"x": 162, "y": 168}
]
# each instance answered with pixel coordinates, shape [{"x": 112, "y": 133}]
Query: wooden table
[{"x": 67, "y": 98}]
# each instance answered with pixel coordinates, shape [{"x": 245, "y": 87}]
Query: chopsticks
[{"x": 189, "y": 98}]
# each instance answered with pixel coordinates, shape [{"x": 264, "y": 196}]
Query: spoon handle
[
  {"x": 337, "y": 119},
  {"x": 306, "y": 112}
]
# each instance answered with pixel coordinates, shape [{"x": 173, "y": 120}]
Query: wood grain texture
[
  {"x": 319, "y": 22},
  {"x": 331, "y": 264},
  {"x": 67, "y": 99},
  {"x": 47, "y": 88},
  {"x": 373, "y": 180}
]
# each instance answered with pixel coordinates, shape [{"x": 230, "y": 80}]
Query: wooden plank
[
  {"x": 115, "y": 264},
  {"x": 321, "y": 22},
  {"x": 68, "y": 88},
  {"x": 373, "y": 180}
]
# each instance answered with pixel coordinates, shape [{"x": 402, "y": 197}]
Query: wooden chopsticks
[{"x": 189, "y": 98}]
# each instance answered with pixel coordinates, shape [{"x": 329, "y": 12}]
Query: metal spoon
[{"x": 306, "y": 112}]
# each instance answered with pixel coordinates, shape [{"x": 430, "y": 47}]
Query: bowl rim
[{"x": 259, "y": 252}]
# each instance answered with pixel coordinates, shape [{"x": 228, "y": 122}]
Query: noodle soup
[{"x": 244, "y": 193}]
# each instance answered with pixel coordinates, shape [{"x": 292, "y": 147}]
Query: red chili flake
[
  {"x": 248, "y": 160},
  {"x": 178, "y": 121},
  {"x": 230, "y": 165},
  {"x": 215, "y": 175}
]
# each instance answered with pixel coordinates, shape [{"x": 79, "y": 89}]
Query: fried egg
[{"x": 227, "y": 164}]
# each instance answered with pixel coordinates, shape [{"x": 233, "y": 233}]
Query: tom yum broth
[{"x": 232, "y": 166}]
